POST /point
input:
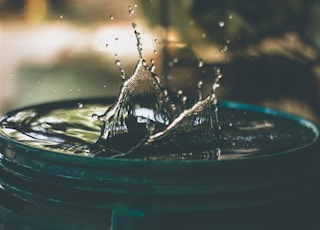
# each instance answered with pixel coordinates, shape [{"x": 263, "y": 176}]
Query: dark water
[{"x": 69, "y": 128}]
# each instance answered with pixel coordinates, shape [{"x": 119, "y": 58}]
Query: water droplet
[
  {"x": 116, "y": 38},
  {"x": 175, "y": 60},
  {"x": 152, "y": 68},
  {"x": 135, "y": 5},
  {"x": 200, "y": 83},
  {"x": 216, "y": 153},
  {"x": 218, "y": 76},
  {"x": 71, "y": 90},
  {"x": 170, "y": 64},
  {"x": 111, "y": 17},
  {"x": 184, "y": 100},
  {"x": 165, "y": 92},
  {"x": 138, "y": 37},
  {"x": 156, "y": 40},
  {"x": 223, "y": 49},
  {"x": 104, "y": 86},
  {"x": 228, "y": 41},
  {"x": 87, "y": 152},
  {"x": 80, "y": 105},
  {"x": 131, "y": 10},
  {"x": 200, "y": 63},
  {"x": 221, "y": 24},
  {"x": 217, "y": 71},
  {"x": 107, "y": 45},
  {"x": 55, "y": 90},
  {"x": 155, "y": 51},
  {"x": 230, "y": 17},
  {"x": 61, "y": 17},
  {"x": 122, "y": 72},
  {"x": 191, "y": 23},
  {"x": 144, "y": 63},
  {"x": 203, "y": 35}
]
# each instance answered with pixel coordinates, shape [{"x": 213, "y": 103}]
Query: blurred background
[{"x": 268, "y": 52}]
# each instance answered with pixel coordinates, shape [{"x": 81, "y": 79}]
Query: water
[
  {"x": 145, "y": 123},
  {"x": 67, "y": 128},
  {"x": 144, "y": 117}
]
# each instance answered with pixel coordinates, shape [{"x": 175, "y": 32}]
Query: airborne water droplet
[
  {"x": 184, "y": 100},
  {"x": 216, "y": 153},
  {"x": 223, "y": 49},
  {"x": 123, "y": 75},
  {"x": 200, "y": 83},
  {"x": 111, "y": 17},
  {"x": 200, "y": 63},
  {"x": 221, "y": 24},
  {"x": 152, "y": 68},
  {"x": 61, "y": 16},
  {"x": 131, "y": 10},
  {"x": 80, "y": 105},
  {"x": 117, "y": 62}
]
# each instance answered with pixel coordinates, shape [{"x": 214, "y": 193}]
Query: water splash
[
  {"x": 141, "y": 104},
  {"x": 145, "y": 117}
]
